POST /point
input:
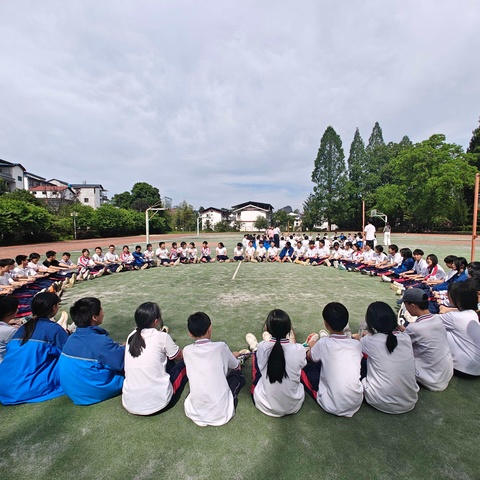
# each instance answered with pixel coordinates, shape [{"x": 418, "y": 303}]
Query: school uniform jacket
[
  {"x": 91, "y": 366},
  {"x": 29, "y": 373}
]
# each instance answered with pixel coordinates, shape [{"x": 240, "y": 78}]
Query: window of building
[
  {"x": 20, "y": 179},
  {"x": 85, "y": 200}
]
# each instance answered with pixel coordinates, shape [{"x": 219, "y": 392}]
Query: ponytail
[
  {"x": 278, "y": 325},
  {"x": 392, "y": 342},
  {"x": 145, "y": 316},
  {"x": 276, "y": 371}
]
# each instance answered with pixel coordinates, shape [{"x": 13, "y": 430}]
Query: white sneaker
[
  {"x": 386, "y": 279},
  {"x": 63, "y": 320},
  {"x": 323, "y": 333},
  {"x": 251, "y": 341},
  {"x": 266, "y": 336}
]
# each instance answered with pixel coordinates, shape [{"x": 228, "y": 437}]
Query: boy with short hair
[
  {"x": 214, "y": 375},
  {"x": 433, "y": 361},
  {"x": 91, "y": 363},
  {"x": 140, "y": 261},
  {"x": 163, "y": 256},
  {"x": 332, "y": 376}
]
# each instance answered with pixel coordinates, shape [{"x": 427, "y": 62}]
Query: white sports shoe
[{"x": 251, "y": 341}]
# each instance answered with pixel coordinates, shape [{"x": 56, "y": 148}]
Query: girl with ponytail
[
  {"x": 277, "y": 366},
  {"x": 390, "y": 384},
  {"x": 29, "y": 371},
  {"x": 153, "y": 381}
]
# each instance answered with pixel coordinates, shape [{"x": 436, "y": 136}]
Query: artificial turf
[{"x": 56, "y": 439}]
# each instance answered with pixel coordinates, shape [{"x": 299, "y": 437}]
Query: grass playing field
[{"x": 56, "y": 439}]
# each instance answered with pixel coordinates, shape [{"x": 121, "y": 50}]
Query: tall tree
[
  {"x": 474, "y": 159},
  {"x": 356, "y": 180},
  {"x": 330, "y": 177},
  {"x": 376, "y": 137}
]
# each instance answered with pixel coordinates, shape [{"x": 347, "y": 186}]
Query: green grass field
[{"x": 56, "y": 439}]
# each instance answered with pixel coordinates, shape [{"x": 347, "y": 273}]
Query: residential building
[
  {"x": 246, "y": 214},
  {"x": 12, "y": 174}
]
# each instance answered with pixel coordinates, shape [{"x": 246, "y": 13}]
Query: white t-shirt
[
  {"x": 147, "y": 388},
  {"x": 421, "y": 267},
  {"x": 272, "y": 252},
  {"x": 298, "y": 251},
  {"x": 221, "y": 251},
  {"x": 6, "y": 334},
  {"x": 278, "y": 399},
  {"x": 210, "y": 401},
  {"x": 250, "y": 251},
  {"x": 111, "y": 257},
  {"x": 311, "y": 253},
  {"x": 340, "y": 391},
  {"x": 433, "y": 361},
  {"x": 368, "y": 255},
  {"x": 463, "y": 334},
  {"x": 238, "y": 252},
  {"x": 261, "y": 251},
  {"x": 369, "y": 232},
  {"x": 162, "y": 253},
  {"x": 390, "y": 385}
]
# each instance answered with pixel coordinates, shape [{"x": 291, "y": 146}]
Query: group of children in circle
[{"x": 383, "y": 364}]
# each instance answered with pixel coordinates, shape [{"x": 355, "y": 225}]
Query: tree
[
  {"x": 122, "y": 200},
  {"x": 355, "y": 189},
  {"x": 376, "y": 138},
  {"x": 430, "y": 179},
  {"x": 144, "y": 196},
  {"x": 261, "y": 223},
  {"x": 185, "y": 217},
  {"x": 23, "y": 221},
  {"x": 330, "y": 177},
  {"x": 474, "y": 147},
  {"x": 281, "y": 218},
  {"x": 311, "y": 212}
]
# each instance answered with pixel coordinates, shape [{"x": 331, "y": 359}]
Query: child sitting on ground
[
  {"x": 91, "y": 364},
  {"x": 276, "y": 369},
  {"x": 214, "y": 374},
  {"x": 332, "y": 376},
  {"x": 8, "y": 310},
  {"x": 153, "y": 381},
  {"x": 390, "y": 384},
  {"x": 433, "y": 360}
]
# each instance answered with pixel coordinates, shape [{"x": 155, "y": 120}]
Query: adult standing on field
[
  {"x": 370, "y": 233},
  {"x": 276, "y": 236},
  {"x": 387, "y": 229}
]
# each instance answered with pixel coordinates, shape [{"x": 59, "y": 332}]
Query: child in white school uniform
[
  {"x": 8, "y": 310},
  {"x": 463, "y": 328},
  {"x": 155, "y": 374},
  {"x": 332, "y": 376},
  {"x": 206, "y": 253},
  {"x": 214, "y": 375},
  {"x": 276, "y": 369},
  {"x": 238, "y": 253},
  {"x": 163, "y": 255},
  {"x": 433, "y": 360},
  {"x": 390, "y": 384}
]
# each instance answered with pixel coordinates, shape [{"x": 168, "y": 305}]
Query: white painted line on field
[{"x": 236, "y": 271}]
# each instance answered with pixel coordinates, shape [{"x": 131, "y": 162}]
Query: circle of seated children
[{"x": 279, "y": 365}]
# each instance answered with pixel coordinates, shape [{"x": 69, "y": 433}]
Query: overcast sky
[{"x": 219, "y": 102}]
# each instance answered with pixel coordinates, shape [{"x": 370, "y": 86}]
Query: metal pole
[
  {"x": 475, "y": 216},
  {"x": 363, "y": 218},
  {"x": 198, "y": 225},
  {"x": 147, "y": 227}
]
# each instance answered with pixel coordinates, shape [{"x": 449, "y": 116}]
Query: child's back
[
  {"x": 285, "y": 398},
  {"x": 210, "y": 401},
  {"x": 340, "y": 391}
]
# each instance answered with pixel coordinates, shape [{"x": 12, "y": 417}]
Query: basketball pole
[
  {"x": 475, "y": 216},
  {"x": 363, "y": 216}
]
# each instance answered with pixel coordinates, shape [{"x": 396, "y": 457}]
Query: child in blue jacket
[{"x": 91, "y": 364}]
